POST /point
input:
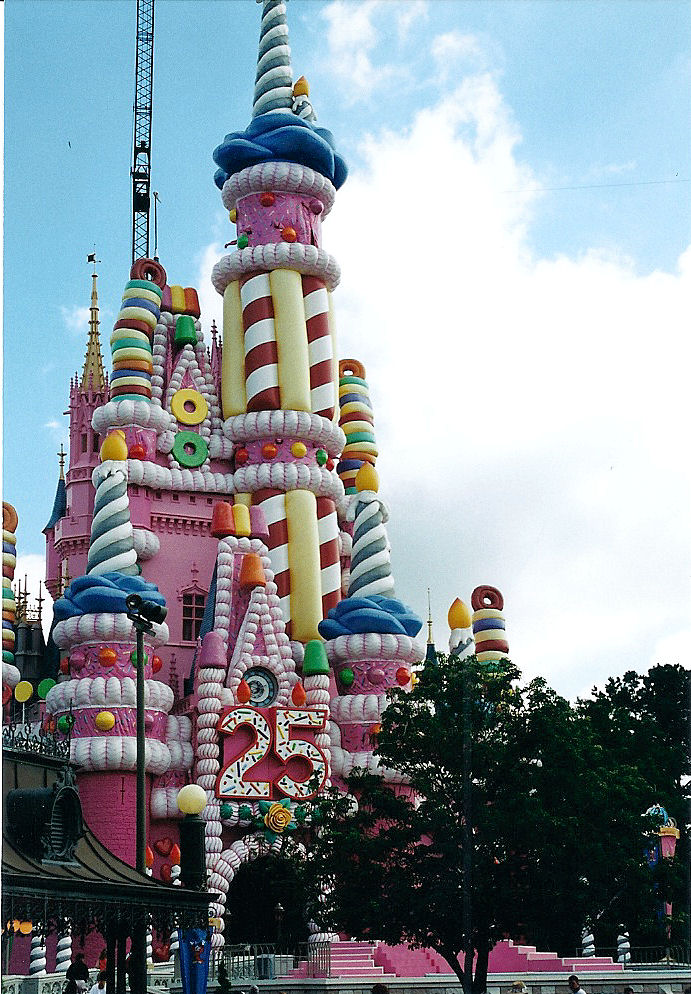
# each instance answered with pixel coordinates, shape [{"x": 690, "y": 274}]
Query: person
[
  {"x": 575, "y": 985},
  {"x": 103, "y": 960},
  {"x": 79, "y": 972},
  {"x": 100, "y": 984},
  {"x": 518, "y": 987}
]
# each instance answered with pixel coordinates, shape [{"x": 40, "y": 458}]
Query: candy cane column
[{"x": 280, "y": 372}]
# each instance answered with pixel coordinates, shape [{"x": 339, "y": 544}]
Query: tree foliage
[{"x": 553, "y": 797}]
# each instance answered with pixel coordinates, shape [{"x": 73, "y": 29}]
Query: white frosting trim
[
  {"x": 140, "y": 413},
  {"x": 288, "y": 177},
  {"x": 294, "y": 424},
  {"x": 372, "y": 645},
  {"x": 306, "y": 259},
  {"x": 85, "y": 628}
]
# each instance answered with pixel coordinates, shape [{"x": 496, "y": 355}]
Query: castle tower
[
  {"x": 279, "y": 364},
  {"x": 68, "y": 528}
]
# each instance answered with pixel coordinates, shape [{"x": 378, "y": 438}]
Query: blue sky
[{"x": 512, "y": 238}]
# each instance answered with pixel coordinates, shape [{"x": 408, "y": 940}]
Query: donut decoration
[
  {"x": 357, "y": 421},
  {"x": 10, "y": 521},
  {"x": 133, "y": 331},
  {"x": 189, "y": 449},
  {"x": 189, "y": 407},
  {"x": 489, "y": 627}
]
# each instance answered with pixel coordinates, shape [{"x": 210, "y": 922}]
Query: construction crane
[{"x": 141, "y": 144}]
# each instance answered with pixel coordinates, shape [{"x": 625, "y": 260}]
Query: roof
[
  {"x": 92, "y": 889},
  {"x": 59, "y": 505}
]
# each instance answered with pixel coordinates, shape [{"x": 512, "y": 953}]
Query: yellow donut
[
  {"x": 133, "y": 353},
  {"x": 178, "y": 405},
  {"x": 142, "y": 294},
  {"x": 139, "y": 336}
]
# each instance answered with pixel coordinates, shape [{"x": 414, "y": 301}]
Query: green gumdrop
[
  {"x": 185, "y": 331},
  {"x": 226, "y": 811},
  {"x": 315, "y": 663},
  {"x": 322, "y": 457},
  {"x": 65, "y": 723},
  {"x": 44, "y": 687},
  {"x": 243, "y": 241},
  {"x": 347, "y": 676},
  {"x": 244, "y": 811},
  {"x": 133, "y": 658}
]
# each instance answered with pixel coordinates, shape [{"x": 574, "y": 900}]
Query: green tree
[{"x": 509, "y": 822}]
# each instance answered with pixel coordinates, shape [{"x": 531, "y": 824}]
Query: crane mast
[{"x": 141, "y": 146}]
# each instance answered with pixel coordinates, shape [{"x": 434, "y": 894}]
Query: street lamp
[{"x": 143, "y": 614}]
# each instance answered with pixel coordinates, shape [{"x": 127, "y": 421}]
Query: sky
[{"x": 515, "y": 243}]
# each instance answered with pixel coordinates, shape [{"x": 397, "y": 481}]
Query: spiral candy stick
[
  {"x": 261, "y": 351},
  {"x": 9, "y": 562},
  {"x": 320, "y": 347},
  {"x": 370, "y": 564},
  {"x": 357, "y": 421},
  {"x": 111, "y": 547},
  {"x": 273, "y": 87}
]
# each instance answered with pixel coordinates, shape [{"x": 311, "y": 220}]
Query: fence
[
  {"x": 670, "y": 957},
  {"x": 248, "y": 962}
]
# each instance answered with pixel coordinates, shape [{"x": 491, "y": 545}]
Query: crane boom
[{"x": 141, "y": 146}]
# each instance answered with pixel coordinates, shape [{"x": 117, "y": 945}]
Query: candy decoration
[
  {"x": 190, "y": 449},
  {"x": 185, "y": 331},
  {"x": 9, "y": 562},
  {"x": 315, "y": 662},
  {"x": 44, "y": 687},
  {"x": 175, "y": 855},
  {"x": 321, "y": 457},
  {"x": 222, "y": 520},
  {"x": 111, "y": 547},
  {"x": 299, "y": 450},
  {"x": 489, "y": 625},
  {"x": 402, "y": 676},
  {"x": 65, "y": 666},
  {"x": 356, "y": 420},
  {"x": 23, "y": 691},
  {"x": 243, "y": 241},
  {"x": 329, "y": 554},
  {"x": 189, "y": 407},
  {"x": 320, "y": 347},
  {"x": 136, "y": 452},
  {"x": 261, "y": 351},
  {"x": 133, "y": 331},
  {"x": 104, "y": 721},
  {"x": 459, "y": 615},
  {"x": 241, "y": 456},
  {"x": 298, "y": 695},
  {"x": 242, "y": 519},
  {"x": 370, "y": 564},
  {"x": 269, "y": 450},
  {"x": 107, "y": 657},
  {"x": 289, "y": 234},
  {"x": 65, "y": 723},
  {"x": 114, "y": 446},
  {"x": 243, "y": 693},
  {"x": 134, "y": 659},
  {"x": 273, "y": 87},
  {"x": 156, "y": 664},
  {"x": 149, "y": 857},
  {"x": 267, "y": 199},
  {"x": 251, "y": 572}
]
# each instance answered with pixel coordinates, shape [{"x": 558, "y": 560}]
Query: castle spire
[
  {"x": 92, "y": 376},
  {"x": 273, "y": 87}
]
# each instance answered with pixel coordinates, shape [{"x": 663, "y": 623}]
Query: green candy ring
[{"x": 199, "y": 453}]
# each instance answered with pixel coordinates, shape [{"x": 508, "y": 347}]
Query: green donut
[
  {"x": 190, "y": 460},
  {"x": 144, "y": 285}
]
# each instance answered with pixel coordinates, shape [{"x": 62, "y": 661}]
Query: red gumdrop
[
  {"x": 289, "y": 234},
  {"x": 402, "y": 676},
  {"x": 269, "y": 450},
  {"x": 267, "y": 199},
  {"x": 298, "y": 696},
  {"x": 156, "y": 664},
  {"x": 241, "y": 457},
  {"x": 136, "y": 451},
  {"x": 65, "y": 666},
  {"x": 244, "y": 693}
]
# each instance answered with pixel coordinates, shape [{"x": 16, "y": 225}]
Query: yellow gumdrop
[
  {"x": 367, "y": 478},
  {"x": 233, "y": 214},
  {"x": 104, "y": 721},
  {"x": 301, "y": 88},
  {"x": 459, "y": 615},
  {"x": 114, "y": 446},
  {"x": 299, "y": 450},
  {"x": 241, "y": 520}
]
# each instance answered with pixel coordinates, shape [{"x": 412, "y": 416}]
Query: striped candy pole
[
  {"x": 273, "y": 87},
  {"x": 320, "y": 347},
  {"x": 329, "y": 554},
  {"x": 489, "y": 625},
  {"x": 261, "y": 351},
  {"x": 273, "y": 504}
]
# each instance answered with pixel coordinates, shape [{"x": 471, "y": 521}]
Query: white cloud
[
  {"x": 76, "y": 319},
  {"x": 454, "y": 49},
  {"x": 210, "y": 302},
  {"x": 351, "y": 38},
  {"x": 58, "y": 430},
  {"x": 407, "y": 14},
  {"x": 530, "y": 412}
]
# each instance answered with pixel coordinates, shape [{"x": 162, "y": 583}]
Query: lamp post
[{"x": 142, "y": 614}]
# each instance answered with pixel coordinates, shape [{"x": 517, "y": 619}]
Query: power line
[{"x": 598, "y": 186}]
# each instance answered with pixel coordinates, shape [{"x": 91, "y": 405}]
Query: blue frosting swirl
[
  {"x": 358, "y": 615},
  {"x": 103, "y": 594},
  {"x": 280, "y": 136}
]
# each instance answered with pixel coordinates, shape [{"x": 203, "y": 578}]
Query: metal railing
[
  {"x": 671, "y": 957},
  {"x": 247, "y": 962}
]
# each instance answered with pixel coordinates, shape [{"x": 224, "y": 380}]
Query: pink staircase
[{"x": 348, "y": 959}]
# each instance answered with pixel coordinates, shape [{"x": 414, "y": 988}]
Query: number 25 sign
[{"x": 270, "y": 753}]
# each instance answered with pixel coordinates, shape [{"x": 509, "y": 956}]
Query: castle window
[
  {"x": 84, "y": 441},
  {"x": 176, "y": 496},
  {"x": 192, "y": 614},
  {"x": 95, "y": 442}
]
